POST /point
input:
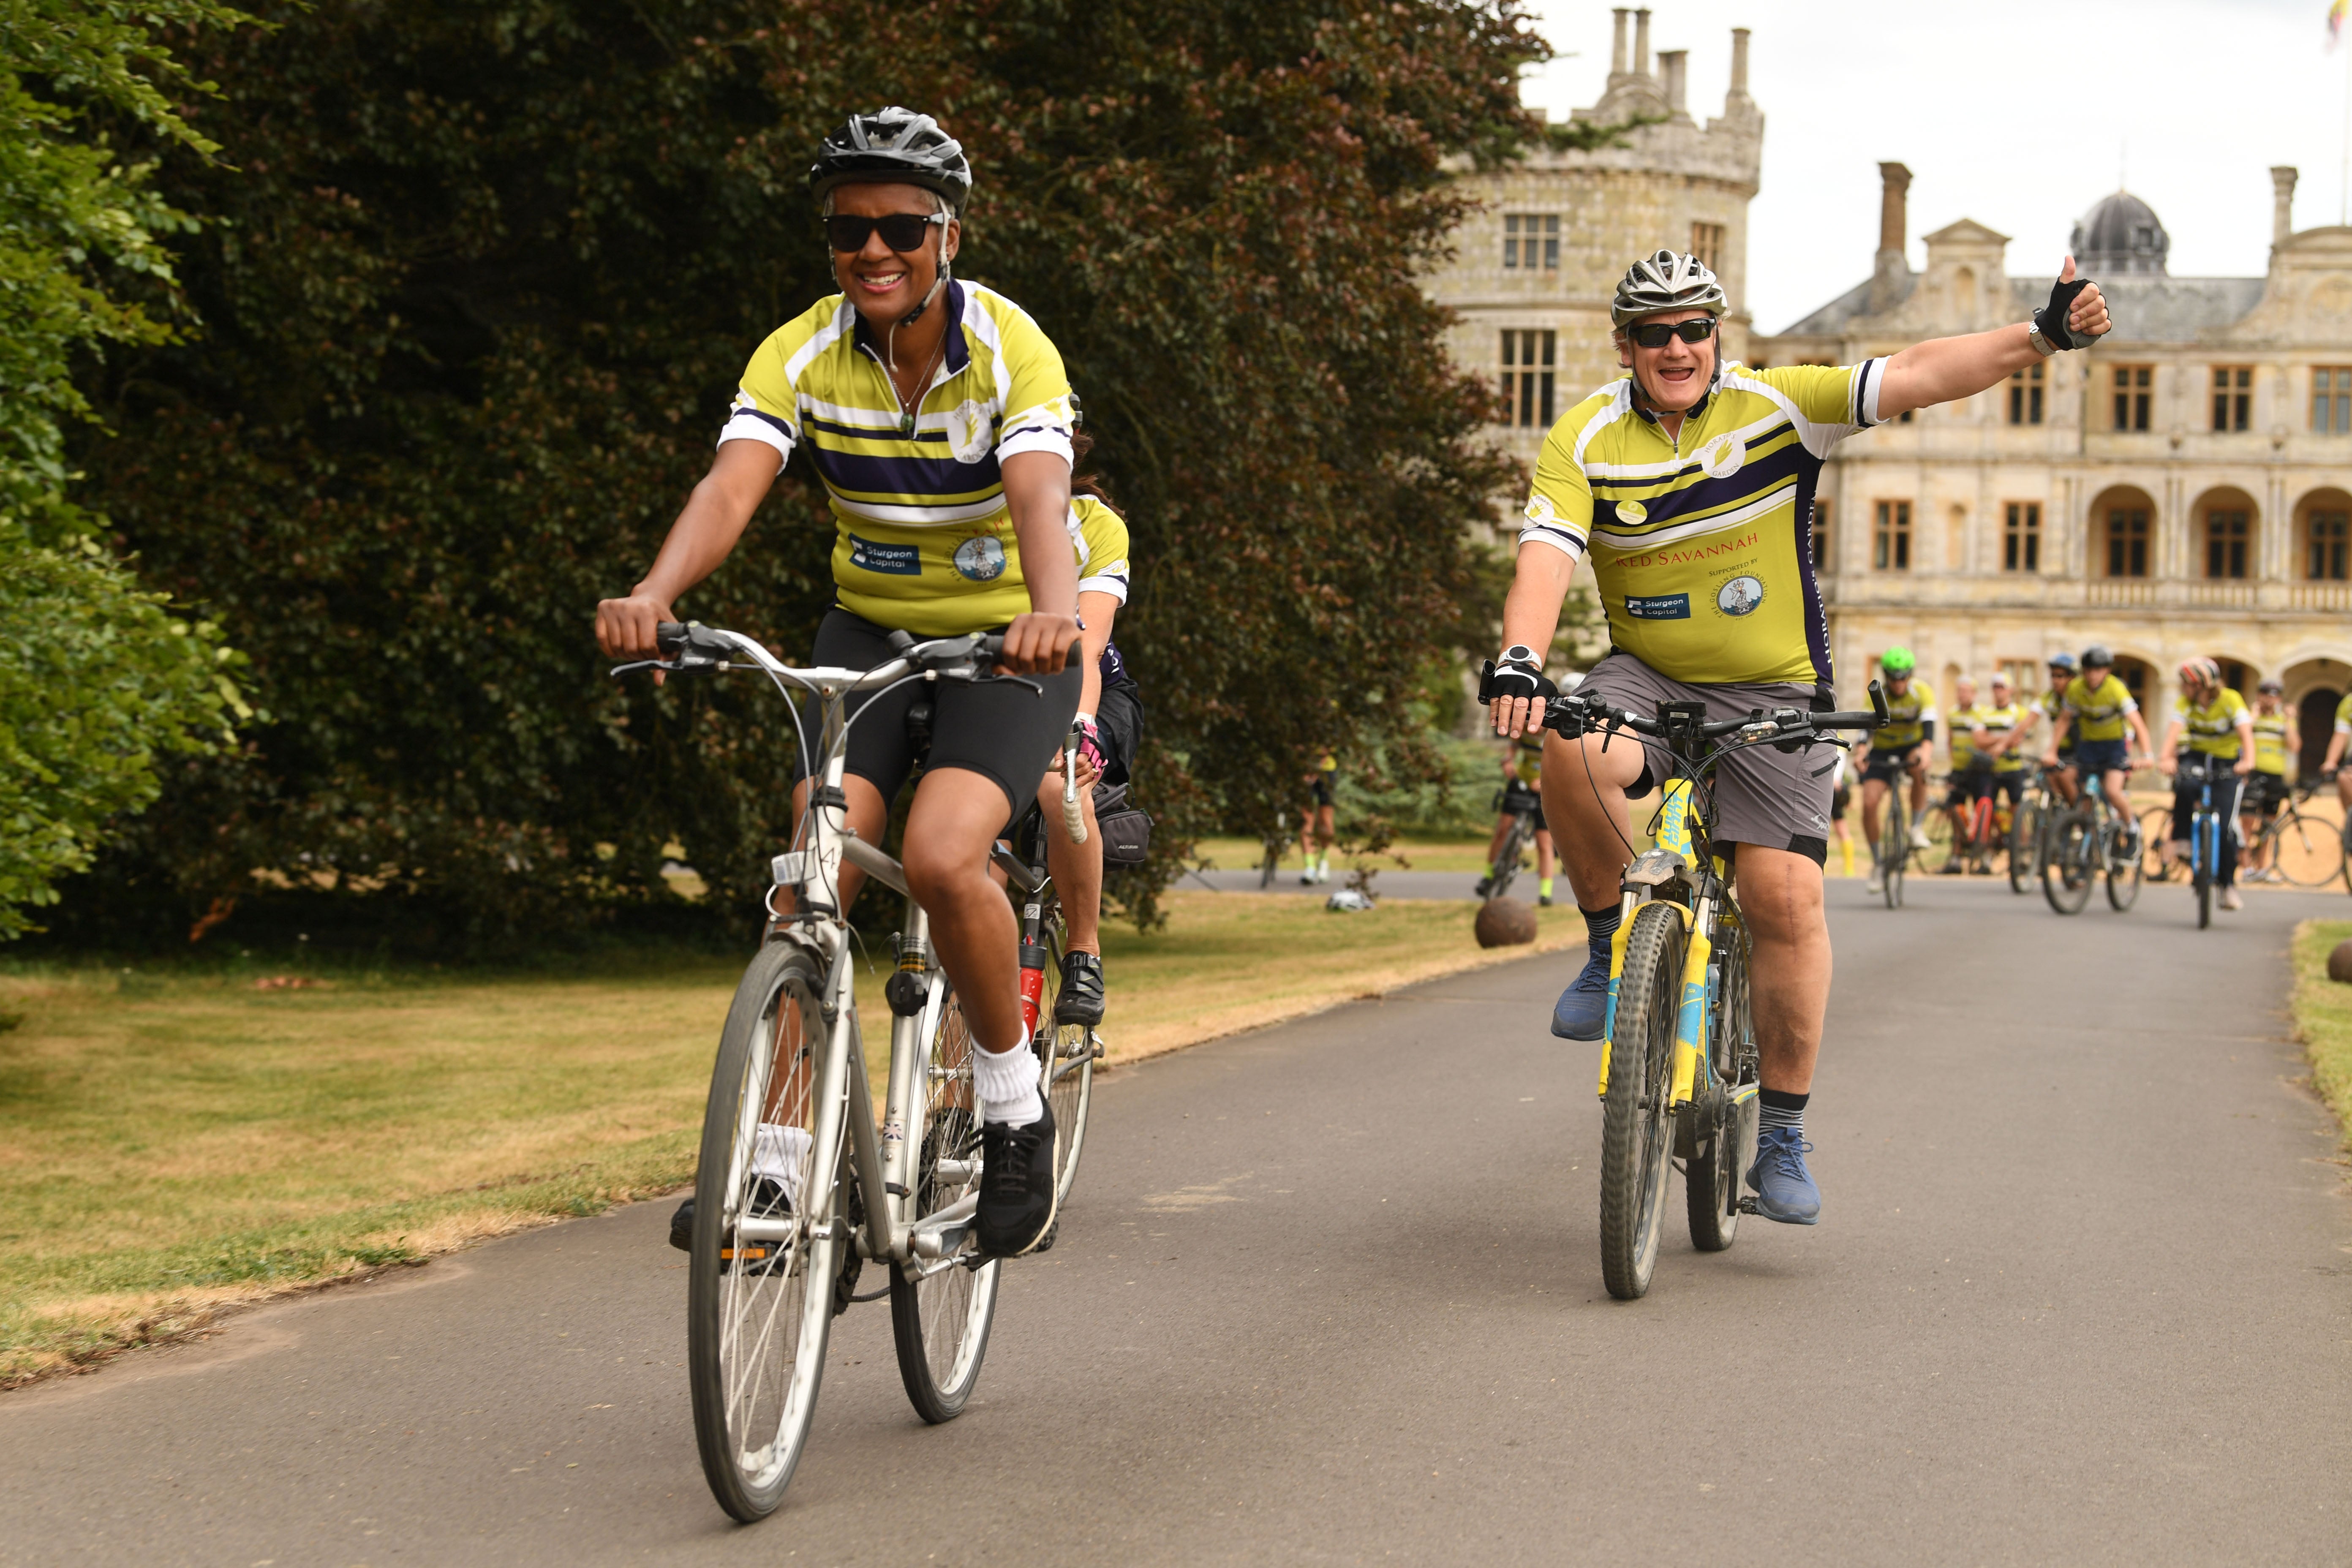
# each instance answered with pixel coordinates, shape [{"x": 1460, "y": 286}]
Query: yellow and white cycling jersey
[
  {"x": 2270, "y": 743},
  {"x": 1964, "y": 734},
  {"x": 1702, "y": 543},
  {"x": 2343, "y": 715},
  {"x": 2099, "y": 715},
  {"x": 1908, "y": 717},
  {"x": 2212, "y": 725},
  {"x": 924, "y": 541},
  {"x": 1998, "y": 722},
  {"x": 1099, "y": 535}
]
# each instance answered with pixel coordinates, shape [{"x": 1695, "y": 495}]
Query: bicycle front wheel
[
  {"x": 2305, "y": 850},
  {"x": 1711, "y": 1181},
  {"x": 1895, "y": 845},
  {"x": 1636, "y": 1133},
  {"x": 2024, "y": 840},
  {"x": 1065, "y": 1054},
  {"x": 941, "y": 1308},
  {"x": 2068, "y": 864},
  {"x": 766, "y": 1247},
  {"x": 2124, "y": 859}
]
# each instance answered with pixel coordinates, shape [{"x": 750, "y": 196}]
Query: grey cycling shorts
[{"x": 1763, "y": 795}]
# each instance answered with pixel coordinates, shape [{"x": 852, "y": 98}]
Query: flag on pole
[{"x": 2336, "y": 21}]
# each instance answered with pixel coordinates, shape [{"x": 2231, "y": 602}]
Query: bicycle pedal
[{"x": 1747, "y": 1204}]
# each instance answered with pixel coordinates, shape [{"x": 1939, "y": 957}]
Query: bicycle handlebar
[
  {"x": 1575, "y": 715},
  {"x": 690, "y": 647}
]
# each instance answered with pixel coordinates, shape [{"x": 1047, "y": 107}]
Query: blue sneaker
[
  {"x": 1583, "y": 1008},
  {"x": 1784, "y": 1188}
]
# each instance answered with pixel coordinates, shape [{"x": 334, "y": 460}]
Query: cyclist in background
[
  {"x": 1110, "y": 726},
  {"x": 2276, "y": 746},
  {"x": 2101, "y": 714},
  {"x": 938, "y": 418},
  {"x": 1523, "y": 779},
  {"x": 1317, "y": 824},
  {"x": 2333, "y": 768},
  {"x": 1898, "y": 750},
  {"x": 1972, "y": 778},
  {"x": 1841, "y": 807},
  {"x": 2053, "y": 703},
  {"x": 2218, "y": 726},
  {"x": 2001, "y": 728}
]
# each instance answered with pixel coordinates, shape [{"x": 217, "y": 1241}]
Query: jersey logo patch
[
  {"x": 981, "y": 559},
  {"x": 971, "y": 434},
  {"x": 1740, "y": 596},
  {"x": 1659, "y": 607},
  {"x": 1540, "y": 512},
  {"x": 1633, "y": 511},
  {"x": 1723, "y": 457},
  {"x": 889, "y": 559}
]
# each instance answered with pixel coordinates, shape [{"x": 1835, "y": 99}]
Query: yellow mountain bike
[{"x": 1679, "y": 1070}]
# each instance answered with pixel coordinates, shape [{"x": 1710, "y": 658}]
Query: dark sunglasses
[
  {"x": 902, "y": 232},
  {"x": 1656, "y": 334}
]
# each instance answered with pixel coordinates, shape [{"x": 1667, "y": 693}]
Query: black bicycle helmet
[
  {"x": 2096, "y": 657},
  {"x": 894, "y": 145}
]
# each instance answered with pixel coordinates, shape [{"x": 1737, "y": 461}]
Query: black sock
[
  {"x": 1600, "y": 926},
  {"x": 1781, "y": 1109}
]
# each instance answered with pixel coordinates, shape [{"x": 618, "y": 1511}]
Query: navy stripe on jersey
[
  {"x": 1817, "y": 614},
  {"x": 1752, "y": 481},
  {"x": 1625, "y": 482},
  {"x": 886, "y": 431},
  {"x": 860, "y": 473}
]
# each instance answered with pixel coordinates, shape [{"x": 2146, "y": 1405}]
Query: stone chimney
[
  {"x": 1739, "y": 62},
  {"x": 1617, "y": 49},
  {"x": 1642, "y": 42},
  {"x": 2283, "y": 180},
  {"x": 1894, "y": 230},
  {"x": 1672, "y": 64}
]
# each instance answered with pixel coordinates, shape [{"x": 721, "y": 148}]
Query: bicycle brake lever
[{"x": 621, "y": 669}]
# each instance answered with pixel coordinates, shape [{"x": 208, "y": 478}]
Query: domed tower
[{"x": 2121, "y": 234}]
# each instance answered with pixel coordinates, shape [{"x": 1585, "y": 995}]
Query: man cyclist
[
  {"x": 2052, "y": 703},
  {"x": 2275, "y": 746},
  {"x": 1898, "y": 750},
  {"x": 1962, "y": 793},
  {"x": 1522, "y": 790},
  {"x": 2001, "y": 728},
  {"x": 2221, "y": 729},
  {"x": 1317, "y": 824},
  {"x": 2333, "y": 767},
  {"x": 2098, "y": 711},
  {"x": 1691, "y": 483},
  {"x": 938, "y": 416}
]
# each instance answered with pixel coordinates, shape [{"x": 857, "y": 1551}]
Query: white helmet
[{"x": 1666, "y": 281}]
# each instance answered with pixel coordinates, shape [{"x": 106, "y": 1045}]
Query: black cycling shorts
[
  {"x": 1118, "y": 723},
  {"x": 1008, "y": 732},
  {"x": 2264, "y": 794},
  {"x": 1889, "y": 765}
]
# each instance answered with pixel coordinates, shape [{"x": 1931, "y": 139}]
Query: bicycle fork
[{"x": 1696, "y": 1003}]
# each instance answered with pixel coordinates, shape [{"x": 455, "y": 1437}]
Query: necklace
[{"x": 922, "y": 385}]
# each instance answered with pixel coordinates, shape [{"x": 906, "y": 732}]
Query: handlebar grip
[
  {"x": 1878, "y": 701},
  {"x": 669, "y": 636}
]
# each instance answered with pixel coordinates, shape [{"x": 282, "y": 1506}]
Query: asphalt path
[{"x": 1330, "y": 1293}]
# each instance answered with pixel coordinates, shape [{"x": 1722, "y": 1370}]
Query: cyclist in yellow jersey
[
  {"x": 939, "y": 418},
  {"x": 2102, "y": 719},
  {"x": 2001, "y": 728},
  {"x": 2053, "y": 703},
  {"x": 2276, "y": 745},
  {"x": 2220, "y": 729},
  {"x": 1690, "y": 484},
  {"x": 2333, "y": 768},
  {"x": 1898, "y": 750},
  {"x": 1971, "y": 772},
  {"x": 1522, "y": 781}
]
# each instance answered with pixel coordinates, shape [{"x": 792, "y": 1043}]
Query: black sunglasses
[
  {"x": 1656, "y": 334},
  {"x": 902, "y": 232}
]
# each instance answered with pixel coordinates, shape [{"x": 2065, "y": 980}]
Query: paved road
[{"x": 2084, "y": 1294}]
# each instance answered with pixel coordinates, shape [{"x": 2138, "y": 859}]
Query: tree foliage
[{"x": 487, "y": 272}]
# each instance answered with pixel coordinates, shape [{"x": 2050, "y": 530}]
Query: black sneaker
[
  {"x": 1485, "y": 884},
  {"x": 1017, "y": 1197},
  {"x": 1081, "y": 1001},
  {"x": 769, "y": 1201}
]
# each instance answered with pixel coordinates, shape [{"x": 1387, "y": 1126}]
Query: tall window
[
  {"x": 1527, "y": 377},
  {"x": 2227, "y": 534},
  {"x": 2025, "y": 397},
  {"x": 1824, "y": 546},
  {"x": 2233, "y": 397},
  {"x": 1531, "y": 241},
  {"x": 2331, "y": 401},
  {"x": 1706, "y": 244},
  {"x": 1890, "y": 548},
  {"x": 2134, "y": 390},
  {"x": 2328, "y": 546},
  {"x": 2127, "y": 541},
  {"x": 2021, "y": 537}
]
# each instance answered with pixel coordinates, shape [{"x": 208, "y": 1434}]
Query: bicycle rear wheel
[
  {"x": 2305, "y": 850},
  {"x": 759, "y": 1290},
  {"x": 2024, "y": 842},
  {"x": 1066, "y": 1058},
  {"x": 2068, "y": 864},
  {"x": 2124, "y": 861},
  {"x": 939, "y": 1319},
  {"x": 2155, "y": 828},
  {"x": 1636, "y": 1133},
  {"x": 1505, "y": 868},
  {"x": 1711, "y": 1181}
]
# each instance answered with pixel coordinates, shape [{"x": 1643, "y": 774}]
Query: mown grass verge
[
  {"x": 2323, "y": 1013},
  {"x": 181, "y": 1141}
]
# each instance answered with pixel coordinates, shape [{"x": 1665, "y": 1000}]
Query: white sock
[
  {"x": 1007, "y": 1083},
  {"x": 780, "y": 1152}
]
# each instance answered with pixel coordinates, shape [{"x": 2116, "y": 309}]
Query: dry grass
[{"x": 178, "y": 1144}]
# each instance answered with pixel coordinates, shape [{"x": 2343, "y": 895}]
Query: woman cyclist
[
  {"x": 2277, "y": 749},
  {"x": 2221, "y": 729}
]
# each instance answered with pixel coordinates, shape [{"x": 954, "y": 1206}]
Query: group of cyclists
[{"x": 938, "y": 416}]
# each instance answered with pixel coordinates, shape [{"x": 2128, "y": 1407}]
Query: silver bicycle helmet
[
  {"x": 1666, "y": 281},
  {"x": 897, "y": 145}
]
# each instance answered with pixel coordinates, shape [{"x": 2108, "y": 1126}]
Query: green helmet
[{"x": 1897, "y": 661}]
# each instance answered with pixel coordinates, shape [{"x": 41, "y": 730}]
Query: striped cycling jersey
[
  {"x": 2212, "y": 725},
  {"x": 2343, "y": 715},
  {"x": 924, "y": 541},
  {"x": 1909, "y": 717},
  {"x": 2270, "y": 743},
  {"x": 1997, "y": 722},
  {"x": 1964, "y": 738},
  {"x": 2099, "y": 715},
  {"x": 2053, "y": 703},
  {"x": 1100, "y": 536},
  {"x": 1702, "y": 543}
]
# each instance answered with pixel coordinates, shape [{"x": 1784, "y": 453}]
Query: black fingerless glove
[
  {"x": 2051, "y": 320},
  {"x": 1498, "y": 683}
]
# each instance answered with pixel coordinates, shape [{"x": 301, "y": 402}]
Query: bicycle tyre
[
  {"x": 1066, "y": 1062},
  {"x": 1895, "y": 844},
  {"x": 1505, "y": 868},
  {"x": 2024, "y": 843},
  {"x": 2124, "y": 874},
  {"x": 2304, "y": 849},
  {"x": 1270, "y": 865},
  {"x": 756, "y": 1339},
  {"x": 940, "y": 1321},
  {"x": 2155, "y": 829},
  {"x": 1636, "y": 1140},
  {"x": 2066, "y": 865},
  {"x": 1711, "y": 1181},
  {"x": 2199, "y": 877}
]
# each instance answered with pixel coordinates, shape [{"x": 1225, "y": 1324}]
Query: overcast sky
[{"x": 2017, "y": 115}]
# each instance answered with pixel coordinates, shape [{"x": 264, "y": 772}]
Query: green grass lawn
[
  {"x": 180, "y": 1139},
  {"x": 2322, "y": 1012}
]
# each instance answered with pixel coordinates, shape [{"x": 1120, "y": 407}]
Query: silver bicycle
[{"x": 798, "y": 1185}]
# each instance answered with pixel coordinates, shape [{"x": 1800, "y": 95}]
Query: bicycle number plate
[{"x": 798, "y": 867}]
